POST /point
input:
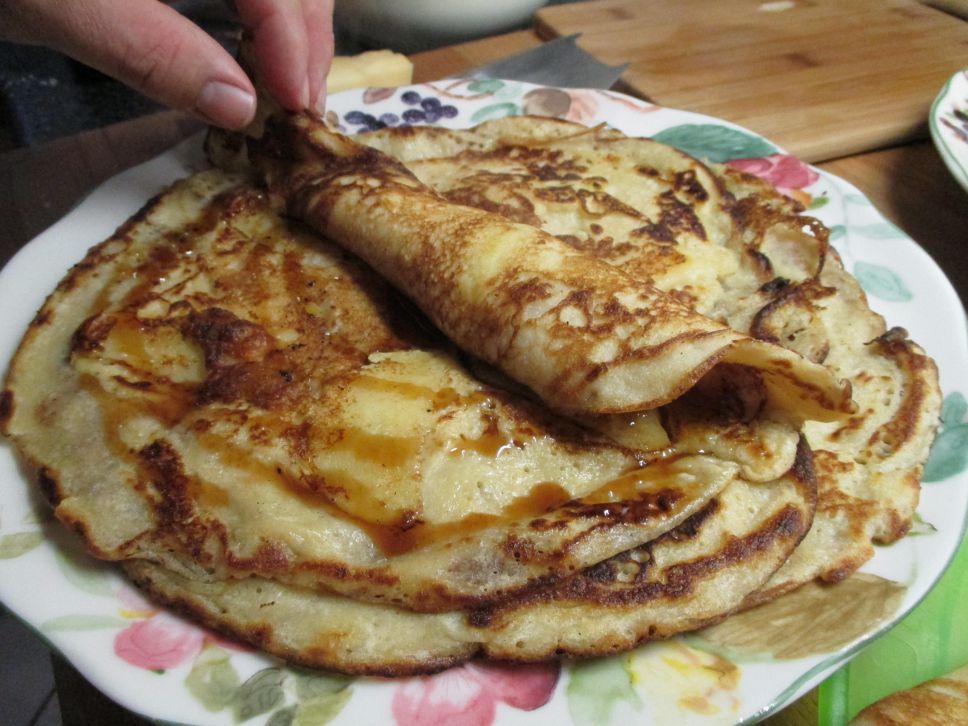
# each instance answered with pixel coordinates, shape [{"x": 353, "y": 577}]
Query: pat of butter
[{"x": 373, "y": 68}]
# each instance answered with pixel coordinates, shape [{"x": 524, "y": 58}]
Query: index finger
[
  {"x": 285, "y": 36},
  {"x": 318, "y": 16}
]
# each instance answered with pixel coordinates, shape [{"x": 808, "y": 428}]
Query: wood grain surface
[{"x": 822, "y": 78}]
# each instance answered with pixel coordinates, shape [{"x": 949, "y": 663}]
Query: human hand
[{"x": 152, "y": 48}]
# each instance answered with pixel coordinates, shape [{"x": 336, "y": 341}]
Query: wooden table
[{"x": 908, "y": 183}]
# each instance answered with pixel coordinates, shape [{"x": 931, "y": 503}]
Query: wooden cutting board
[{"x": 822, "y": 78}]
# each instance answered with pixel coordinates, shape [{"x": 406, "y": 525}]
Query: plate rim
[
  {"x": 957, "y": 166},
  {"x": 807, "y": 680}
]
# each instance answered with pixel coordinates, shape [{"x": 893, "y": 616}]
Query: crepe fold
[
  {"x": 270, "y": 438},
  {"x": 583, "y": 335}
]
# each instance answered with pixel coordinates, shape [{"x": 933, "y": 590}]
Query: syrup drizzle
[{"x": 336, "y": 491}]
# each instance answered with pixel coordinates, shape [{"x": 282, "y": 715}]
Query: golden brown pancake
[
  {"x": 272, "y": 438},
  {"x": 219, "y": 392},
  {"x": 868, "y": 466},
  {"x": 739, "y": 251},
  {"x": 683, "y": 580},
  {"x": 585, "y": 336}
]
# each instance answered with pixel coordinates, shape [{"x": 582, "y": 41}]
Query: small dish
[{"x": 949, "y": 125}]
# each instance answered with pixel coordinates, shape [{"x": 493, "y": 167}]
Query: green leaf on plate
[
  {"x": 880, "y": 230},
  {"x": 19, "y": 543},
  {"x": 881, "y": 282},
  {"x": 919, "y": 526},
  {"x": 213, "y": 679},
  {"x": 597, "y": 688},
  {"x": 818, "y": 202},
  {"x": 953, "y": 409},
  {"x": 486, "y": 85},
  {"x": 715, "y": 143},
  {"x": 83, "y": 622},
  {"x": 310, "y": 685},
  {"x": 509, "y": 91},
  {"x": 321, "y": 709},
  {"x": 495, "y": 110},
  {"x": 837, "y": 231},
  {"x": 949, "y": 454},
  {"x": 85, "y": 572},
  {"x": 282, "y": 717},
  {"x": 813, "y": 619},
  {"x": 260, "y": 694},
  {"x": 39, "y": 514}
]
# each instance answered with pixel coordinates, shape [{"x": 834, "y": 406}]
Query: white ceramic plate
[
  {"x": 949, "y": 125},
  {"x": 169, "y": 670}
]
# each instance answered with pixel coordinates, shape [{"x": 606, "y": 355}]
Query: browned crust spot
[
  {"x": 678, "y": 581},
  {"x": 790, "y": 301},
  {"x": 6, "y": 409},
  {"x": 918, "y": 369},
  {"x": 47, "y": 481}
]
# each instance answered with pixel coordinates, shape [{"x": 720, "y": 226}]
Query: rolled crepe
[{"x": 583, "y": 335}]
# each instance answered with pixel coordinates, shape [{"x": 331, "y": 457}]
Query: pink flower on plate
[
  {"x": 159, "y": 642},
  {"x": 468, "y": 695},
  {"x": 134, "y": 604},
  {"x": 782, "y": 170},
  {"x": 584, "y": 106}
]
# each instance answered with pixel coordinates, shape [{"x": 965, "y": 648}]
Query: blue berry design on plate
[
  {"x": 427, "y": 110},
  {"x": 422, "y": 110},
  {"x": 369, "y": 122}
]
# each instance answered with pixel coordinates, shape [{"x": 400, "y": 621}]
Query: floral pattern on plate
[
  {"x": 949, "y": 125},
  {"x": 157, "y": 664},
  {"x": 468, "y": 695}
]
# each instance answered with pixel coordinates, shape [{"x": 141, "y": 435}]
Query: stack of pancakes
[{"x": 521, "y": 391}]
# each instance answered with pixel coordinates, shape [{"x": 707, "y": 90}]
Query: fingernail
[
  {"x": 226, "y": 105},
  {"x": 304, "y": 95},
  {"x": 319, "y": 105}
]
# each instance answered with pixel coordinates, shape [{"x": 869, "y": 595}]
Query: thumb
[{"x": 148, "y": 46}]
